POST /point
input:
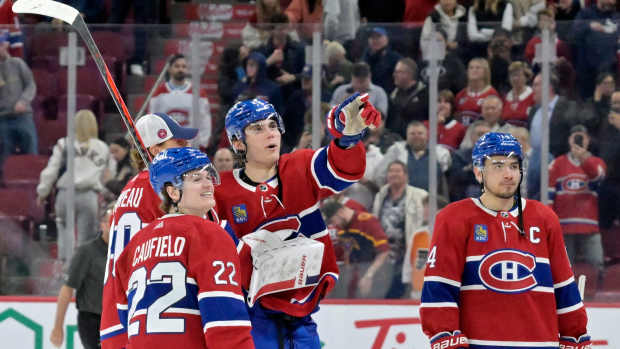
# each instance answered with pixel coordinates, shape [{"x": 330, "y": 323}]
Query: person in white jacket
[
  {"x": 91, "y": 158},
  {"x": 400, "y": 209}
]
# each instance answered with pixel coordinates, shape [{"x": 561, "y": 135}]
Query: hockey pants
[{"x": 272, "y": 330}]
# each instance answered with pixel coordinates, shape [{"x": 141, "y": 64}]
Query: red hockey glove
[
  {"x": 582, "y": 342},
  {"x": 349, "y": 121},
  {"x": 447, "y": 340}
]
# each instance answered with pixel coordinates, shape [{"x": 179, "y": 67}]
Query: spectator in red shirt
[
  {"x": 520, "y": 98},
  {"x": 469, "y": 100},
  {"x": 546, "y": 17},
  {"x": 449, "y": 131}
]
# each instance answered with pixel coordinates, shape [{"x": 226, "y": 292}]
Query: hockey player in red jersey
[
  {"x": 497, "y": 273},
  {"x": 276, "y": 193},
  {"x": 177, "y": 282},
  {"x": 136, "y": 206}
]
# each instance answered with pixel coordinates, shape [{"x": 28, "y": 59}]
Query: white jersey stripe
[{"x": 230, "y": 323}]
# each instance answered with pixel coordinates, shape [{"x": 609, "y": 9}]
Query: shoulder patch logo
[
  {"x": 481, "y": 233},
  {"x": 240, "y": 213}
]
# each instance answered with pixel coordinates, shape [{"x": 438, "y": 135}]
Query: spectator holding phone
[{"x": 573, "y": 182}]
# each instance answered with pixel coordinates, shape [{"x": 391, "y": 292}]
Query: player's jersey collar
[
  {"x": 514, "y": 211},
  {"x": 273, "y": 182}
]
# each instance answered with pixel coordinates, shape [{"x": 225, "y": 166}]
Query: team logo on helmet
[
  {"x": 508, "y": 271},
  {"x": 162, "y": 133}
]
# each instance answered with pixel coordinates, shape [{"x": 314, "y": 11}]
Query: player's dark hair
[{"x": 167, "y": 204}]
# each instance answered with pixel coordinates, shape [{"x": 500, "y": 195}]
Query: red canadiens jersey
[
  {"x": 573, "y": 193},
  {"x": 517, "y": 108},
  {"x": 178, "y": 286},
  {"x": 362, "y": 240},
  {"x": 9, "y": 23},
  {"x": 293, "y": 197},
  {"x": 469, "y": 104},
  {"x": 481, "y": 272},
  {"x": 177, "y": 102},
  {"x": 136, "y": 206},
  {"x": 450, "y": 134}
]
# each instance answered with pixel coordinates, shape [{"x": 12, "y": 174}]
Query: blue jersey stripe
[
  {"x": 567, "y": 296},
  {"x": 323, "y": 174},
  {"x": 542, "y": 274},
  {"x": 222, "y": 309},
  {"x": 438, "y": 292},
  {"x": 312, "y": 223}
]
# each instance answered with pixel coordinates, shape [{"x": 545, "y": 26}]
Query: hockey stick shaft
[
  {"x": 160, "y": 78},
  {"x": 71, "y": 16},
  {"x": 82, "y": 29}
]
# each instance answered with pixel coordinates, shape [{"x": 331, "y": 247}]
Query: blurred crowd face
[
  {"x": 223, "y": 160},
  {"x": 479, "y": 131},
  {"x": 396, "y": 175},
  {"x": 178, "y": 70},
  {"x": 537, "y": 88},
  {"x": 444, "y": 109},
  {"x": 251, "y": 69},
  {"x": 447, "y": 6},
  {"x": 118, "y": 152},
  {"x": 403, "y": 76},
  {"x": 279, "y": 34},
  {"x": 360, "y": 85},
  {"x": 417, "y": 137},
  {"x": 377, "y": 42},
  {"x": 475, "y": 71},
  {"x": 492, "y": 110},
  {"x": 608, "y": 85},
  {"x": 606, "y": 5},
  {"x": 518, "y": 79},
  {"x": 614, "y": 113},
  {"x": 546, "y": 21}
]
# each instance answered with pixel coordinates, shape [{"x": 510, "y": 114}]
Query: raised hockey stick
[
  {"x": 160, "y": 78},
  {"x": 72, "y": 17},
  {"x": 581, "y": 285}
]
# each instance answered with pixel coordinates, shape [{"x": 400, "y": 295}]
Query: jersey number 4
[{"x": 176, "y": 274}]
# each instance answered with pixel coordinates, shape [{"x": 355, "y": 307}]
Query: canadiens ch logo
[
  {"x": 240, "y": 213},
  {"x": 508, "y": 271}
]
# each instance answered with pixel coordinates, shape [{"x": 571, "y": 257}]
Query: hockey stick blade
[
  {"x": 581, "y": 285},
  {"x": 71, "y": 16},
  {"x": 47, "y": 8}
]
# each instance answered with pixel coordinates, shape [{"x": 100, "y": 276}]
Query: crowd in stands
[{"x": 490, "y": 80}]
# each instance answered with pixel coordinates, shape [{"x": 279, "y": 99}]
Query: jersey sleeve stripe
[
  {"x": 567, "y": 296},
  {"x": 323, "y": 174},
  {"x": 222, "y": 309},
  {"x": 243, "y": 323},
  {"x": 439, "y": 305},
  {"x": 226, "y": 294},
  {"x": 439, "y": 292},
  {"x": 564, "y": 283},
  {"x": 569, "y": 309},
  {"x": 112, "y": 332},
  {"x": 443, "y": 280}
]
